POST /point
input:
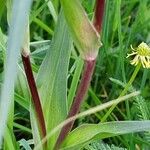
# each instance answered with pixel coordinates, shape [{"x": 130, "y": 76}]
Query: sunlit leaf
[
  {"x": 52, "y": 78},
  {"x": 84, "y": 133}
]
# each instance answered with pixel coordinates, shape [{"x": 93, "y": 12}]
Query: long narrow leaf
[
  {"x": 52, "y": 78},
  {"x": 20, "y": 13},
  {"x": 87, "y": 132}
]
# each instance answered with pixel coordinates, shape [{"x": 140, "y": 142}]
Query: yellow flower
[{"x": 141, "y": 55}]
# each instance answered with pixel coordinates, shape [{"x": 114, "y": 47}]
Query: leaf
[
  {"x": 22, "y": 94},
  {"x": 43, "y": 26},
  {"x": 10, "y": 141},
  {"x": 9, "y": 10},
  {"x": 87, "y": 132},
  {"x": 35, "y": 128},
  {"x": 2, "y": 6},
  {"x": 83, "y": 32},
  {"x": 20, "y": 13},
  {"x": 22, "y": 128},
  {"x": 25, "y": 144},
  {"x": 52, "y": 10},
  {"x": 99, "y": 145},
  {"x": 142, "y": 109},
  {"x": 75, "y": 79},
  {"x": 52, "y": 78},
  {"x": 2, "y": 41}
]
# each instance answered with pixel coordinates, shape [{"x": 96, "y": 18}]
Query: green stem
[{"x": 124, "y": 91}]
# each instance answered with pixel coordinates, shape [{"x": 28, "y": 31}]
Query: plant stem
[
  {"x": 124, "y": 91},
  {"x": 81, "y": 92},
  {"x": 99, "y": 12},
  {"x": 34, "y": 94},
  {"x": 86, "y": 77}
]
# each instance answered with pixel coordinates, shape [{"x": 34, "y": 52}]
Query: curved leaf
[{"x": 86, "y": 132}]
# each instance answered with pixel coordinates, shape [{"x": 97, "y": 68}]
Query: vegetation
[{"x": 74, "y": 74}]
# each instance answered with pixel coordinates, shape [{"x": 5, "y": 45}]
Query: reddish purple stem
[
  {"x": 99, "y": 12},
  {"x": 86, "y": 77},
  {"x": 81, "y": 92},
  {"x": 34, "y": 94}
]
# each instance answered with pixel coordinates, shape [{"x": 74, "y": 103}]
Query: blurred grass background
[{"x": 125, "y": 22}]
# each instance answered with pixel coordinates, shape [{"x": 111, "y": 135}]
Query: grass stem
[
  {"x": 86, "y": 77},
  {"x": 34, "y": 94},
  {"x": 124, "y": 91},
  {"x": 99, "y": 12},
  {"x": 81, "y": 92}
]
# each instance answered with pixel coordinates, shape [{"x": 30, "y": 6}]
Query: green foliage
[
  {"x": 25, "y": 144},
  {"x": 101, "y": 131},
  {"x": 51, "y": 78},
  {"x": 2, "y": 6},
  {"x": 84, "y": 35},
  {"x": 57, "y": 68},
  {"x": 98, "y": 145}
]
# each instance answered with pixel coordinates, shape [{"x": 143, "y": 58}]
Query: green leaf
[
  {"x": 22, "y": 128},
  {"x": 43, "y": 26},
  {"x": 10, "y": 141},
  {"x": 52, "y": 78},
  {"x": 85, "y": 133},
  {"x": 22, "y": 94},
  {"x": 83, "y": 32},
  {"x": 2, "y": 41},
  {"x": 2, "y": 6},
  {"x": 35, "y": 128},
  {"x": 9, "y": 10},
  {"x": 74, "y": 83},
  {"x": 99, "y": 145},
  {"x": 25, "y": 144},
  {"x": 52, "y": 10}
]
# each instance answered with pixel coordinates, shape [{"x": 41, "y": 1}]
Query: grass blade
[
  {"x": 109, "y": 129},
  {"x": 53, "y": 76},
  {"x": 19, "y": 19}
]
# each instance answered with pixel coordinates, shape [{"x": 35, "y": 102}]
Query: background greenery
[{"x": 125, "y": 22}]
